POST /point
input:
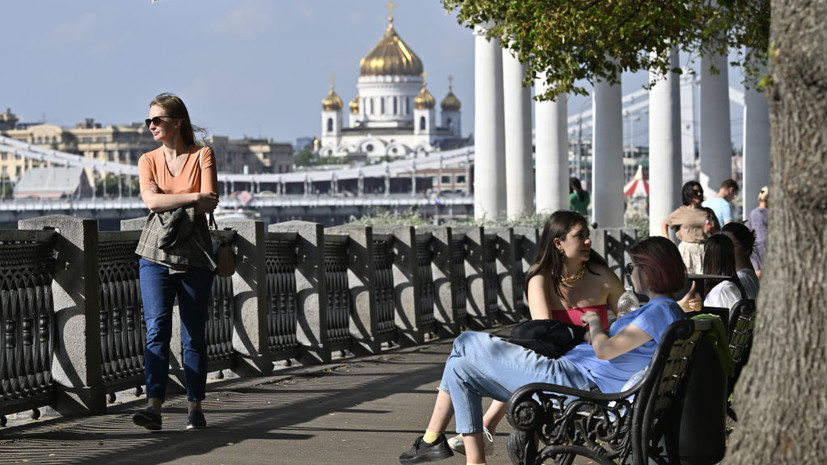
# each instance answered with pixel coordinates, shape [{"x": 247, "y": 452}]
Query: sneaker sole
[
  {"x": 196, "y": 426},
  {"x": 425, "y": 458},
  {"x": 146, "y": 422}
]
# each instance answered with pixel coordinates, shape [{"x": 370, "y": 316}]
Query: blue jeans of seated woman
[
  {"x": 159, "y": 288},
  {"x": 483, "y": 365}
]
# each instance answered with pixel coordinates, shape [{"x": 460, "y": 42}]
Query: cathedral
[{"x": 392, "y": 115}]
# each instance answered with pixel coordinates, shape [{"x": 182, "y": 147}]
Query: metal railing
[
  {"x": 27, "y": 336},
  {"x": 298, "y": 293}
]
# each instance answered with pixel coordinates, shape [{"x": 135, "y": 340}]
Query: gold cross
[
  {"x": 332, "y": 80},
  {"x": 450, "y": 81},
  {"x": 424, "y": 78},
  {"x": 390, "y": 6}
]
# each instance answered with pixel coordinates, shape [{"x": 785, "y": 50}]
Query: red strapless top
[{"x": 572, "y": 315}]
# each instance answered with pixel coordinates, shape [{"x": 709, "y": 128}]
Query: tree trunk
[{"x": 781, "y": 398}]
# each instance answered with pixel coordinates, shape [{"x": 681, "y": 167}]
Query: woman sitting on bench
[
  {"x": 566, "y": 280},
  {"x": 484, "y": 365}
]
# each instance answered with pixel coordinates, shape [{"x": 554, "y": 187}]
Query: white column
[
  {"x": 756, "y": 146},
  {"x": 519, "y": 176},
  {"x": 489, "y": 137},
  {"x": 607, "y": 160},
  {"x": 664, "y": 146},
  {"x": 551, "y": 152},
  {"x": 716, "y": 135},
  {"x": 688, "y": 141}
]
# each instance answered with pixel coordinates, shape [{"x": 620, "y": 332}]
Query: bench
[
  {"x": 624, "y": 427},
  {"x": 742, "y": 325}
]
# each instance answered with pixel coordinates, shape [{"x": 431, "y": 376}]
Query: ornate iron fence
[
  {"x": 27, "y": 336},
  {"x": 383, "y": 268},
  {"x": 122, "y": 327},
  {"x": 280, "y": 263},
  {"x": 460, "y": 285},
  {"x": 425, "y": 288},
  {"x": 519, "y": 276},
  {"x": 490, "y": 279},
  {"x": 220, "y": 323},
  {"x": 338, "y": 291}
]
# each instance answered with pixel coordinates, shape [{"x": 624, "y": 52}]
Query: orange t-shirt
[{"x": 194, "y": 176}]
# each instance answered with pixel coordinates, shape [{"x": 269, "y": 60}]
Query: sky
[{"x": 245, "y": 68}]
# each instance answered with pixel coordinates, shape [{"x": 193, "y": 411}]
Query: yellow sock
[{"x": 430, "y": 436}]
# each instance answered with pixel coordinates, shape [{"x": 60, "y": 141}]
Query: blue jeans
[
  {"x": 484, "y": 365},
  {"x": 158, "y": 291}
]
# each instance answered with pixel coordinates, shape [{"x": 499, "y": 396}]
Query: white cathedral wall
[{"x": 376, "y": 99}]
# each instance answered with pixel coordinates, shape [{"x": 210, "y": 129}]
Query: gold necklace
[{"x": 576, "y": 276}]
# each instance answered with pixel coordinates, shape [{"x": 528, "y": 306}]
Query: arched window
[
  {"x": 394, "y": 106},
  {"x": 330, "y": 125},
  {"x": 421, "y": 123},
  {"x": 450, "y": 122},
  {"x": 382, "y": 106}
]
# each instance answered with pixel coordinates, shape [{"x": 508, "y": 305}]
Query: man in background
[{"x": 721, "y": 204}]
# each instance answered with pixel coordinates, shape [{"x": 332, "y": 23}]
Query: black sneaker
[
  {"x": 424, "y": 452},
  {"x": 196, "y": 420},
  {"x": 148, "y": 419}
]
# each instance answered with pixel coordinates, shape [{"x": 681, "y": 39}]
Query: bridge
[{"x": 324, "y": 195}]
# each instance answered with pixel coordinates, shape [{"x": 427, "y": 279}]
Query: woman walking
[{"x": 179, "y": 186}]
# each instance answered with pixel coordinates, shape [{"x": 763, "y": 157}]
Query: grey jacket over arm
[{"x": 177, "y": 238}]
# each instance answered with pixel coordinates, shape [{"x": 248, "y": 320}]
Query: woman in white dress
[{"x": 719, "y": 259}]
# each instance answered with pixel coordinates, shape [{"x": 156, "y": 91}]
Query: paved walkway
[{"x": 357, "y": 411}]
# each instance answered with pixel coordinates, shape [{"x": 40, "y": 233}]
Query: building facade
[
  {"x": 393, "y": 114},
  {"x": 125, "y": 144}
]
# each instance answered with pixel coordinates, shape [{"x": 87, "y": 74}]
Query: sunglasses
[
  {"x": 629, "y": 267},
  {"x": 156, "y": 120}
]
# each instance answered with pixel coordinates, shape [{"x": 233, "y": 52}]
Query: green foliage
[
  {"x": 641, "y": 224},
  {"x": 382, "y": 217},
  {"x": 307, "y": 157},
  {"x": 571, "y": 40},
  {"x": 528, "y": 220}
]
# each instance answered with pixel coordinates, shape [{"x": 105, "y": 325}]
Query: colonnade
[{"x": 504, "y": 186}]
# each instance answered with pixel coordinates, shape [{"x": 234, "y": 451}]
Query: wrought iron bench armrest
[{"x": 605, "y": 427}]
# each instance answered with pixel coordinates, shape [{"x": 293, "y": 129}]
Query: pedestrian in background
[
  {"x": 721, "y": 204},
  {"x": 758, "y": 218},
  {"x": 579, "y": 198},
  {"x": 179, "y": 185},
  {"x": 692, "y": 225}
]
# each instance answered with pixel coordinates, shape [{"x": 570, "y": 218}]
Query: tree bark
[{"x": 781, "y": 398}]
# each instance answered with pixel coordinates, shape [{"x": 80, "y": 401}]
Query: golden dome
[
  {"x": 424, "y": 99},
  {"x": 450, "y": 102},
  {"x": 391, "y": 56},
  {"x": 332, "y": 102},
  {"x": 354, "y": 105}
]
